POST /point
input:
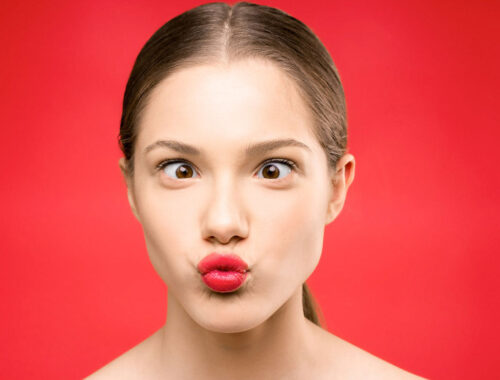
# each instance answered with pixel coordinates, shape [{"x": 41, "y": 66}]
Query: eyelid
[
  {"x": 164, "y": 163},
  {"x": 285, "y": 161}
]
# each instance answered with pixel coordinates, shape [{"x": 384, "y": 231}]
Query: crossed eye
[{"x": 184, "y": 170}]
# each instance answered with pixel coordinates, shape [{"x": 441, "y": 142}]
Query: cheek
[
  {"x": 168, "y": 224},
  {"x": 290, "y": 231}
]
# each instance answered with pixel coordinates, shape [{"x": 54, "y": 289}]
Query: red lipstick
[{"x": 223, "y": 273}]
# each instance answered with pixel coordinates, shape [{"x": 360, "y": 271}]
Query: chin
[
  {"x": 235, "y": 319},
  {"x": 229, "y": 325}
]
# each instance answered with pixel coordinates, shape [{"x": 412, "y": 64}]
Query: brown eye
[
  {"x": 178, "y": 170},
  {"x": 275, "y": 170},
  {"x": 184, "y": 171}
]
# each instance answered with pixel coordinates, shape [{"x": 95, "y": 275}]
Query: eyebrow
[{"x": 255, "y": 149}]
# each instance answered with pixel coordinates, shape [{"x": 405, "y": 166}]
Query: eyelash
[{"x": 285, "y": 161}]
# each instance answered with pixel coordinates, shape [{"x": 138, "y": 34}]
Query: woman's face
[{"x": 221, "y": 123}]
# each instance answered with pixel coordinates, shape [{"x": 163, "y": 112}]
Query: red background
[{"x": 410, "y": 270}]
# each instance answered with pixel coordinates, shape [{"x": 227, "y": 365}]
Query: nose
[{"x": 224, "y": 217}]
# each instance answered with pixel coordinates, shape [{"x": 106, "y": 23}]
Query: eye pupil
[
  {"x": 184, "y": 171},
  {"x": 272, "y": 170}
]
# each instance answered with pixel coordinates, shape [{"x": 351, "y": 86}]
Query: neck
[{"x": 280, "y": 345}]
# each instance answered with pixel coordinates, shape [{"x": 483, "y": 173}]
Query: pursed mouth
[
  {"x": 223, "y": 273},
  {"x": 222, "y": 263}
]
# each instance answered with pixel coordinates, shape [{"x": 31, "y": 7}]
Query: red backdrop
[{"x": 410, "y": 270}]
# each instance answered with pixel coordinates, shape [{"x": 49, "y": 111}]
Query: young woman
[{"x": 235, "y": 158}]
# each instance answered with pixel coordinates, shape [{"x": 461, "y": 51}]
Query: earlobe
[
  {"x": 130, "y": 188},
  {"x": 341, "y": 179}
]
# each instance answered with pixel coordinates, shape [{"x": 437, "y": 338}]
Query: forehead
[{"x": 246, "y": 100}]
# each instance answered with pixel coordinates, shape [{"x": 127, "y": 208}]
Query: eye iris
[
  {"x": 184, "y": 171},
  {"x": 272, "y": 170}
]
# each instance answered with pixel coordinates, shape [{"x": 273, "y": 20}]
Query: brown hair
[{"x": 221, "y": 32}]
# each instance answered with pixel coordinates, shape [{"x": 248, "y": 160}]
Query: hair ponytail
[{"x": 311, "y": 308}]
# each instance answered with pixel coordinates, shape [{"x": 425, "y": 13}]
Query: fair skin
[{"x": 226, "y": 204}]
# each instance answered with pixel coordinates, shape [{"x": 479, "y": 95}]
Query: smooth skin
[{"x": 224, "y": 199}]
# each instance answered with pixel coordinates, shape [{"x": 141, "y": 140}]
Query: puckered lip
[{"x": 222, "y": 262}]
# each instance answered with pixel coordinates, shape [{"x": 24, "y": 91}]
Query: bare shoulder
[
  {"x": 360, "y": 364},
  {"x": 135, "y": 363},
  {"x": 347, "y": 361}
]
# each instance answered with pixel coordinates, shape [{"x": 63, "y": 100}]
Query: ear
[
  {"x": 130, "y": 187},
  {"x": 341, "y": 179}
]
